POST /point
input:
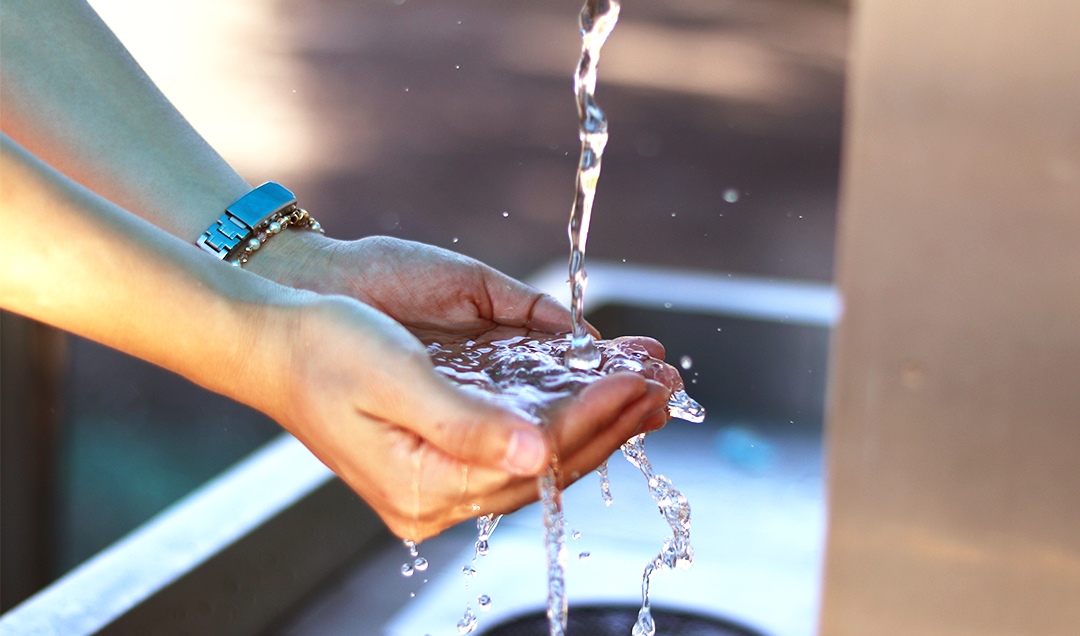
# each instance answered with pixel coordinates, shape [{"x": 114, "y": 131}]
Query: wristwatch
[{"x": 245, "y": 219}]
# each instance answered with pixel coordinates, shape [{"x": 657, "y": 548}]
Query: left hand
[{"x": 438, "y": 295}]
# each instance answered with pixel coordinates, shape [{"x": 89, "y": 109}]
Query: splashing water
[
  {"x": 420, "y": 563},
  {"x": 605, "y": 483},
  {"x": 528, "y": 375},
  {"x": 555, "y": 550},
  {"x": 485, "y": 525},
  {"x": 676, "y": 551},
  {"x": 467, "y": 624},
  {"x": 598, "y": 18}
]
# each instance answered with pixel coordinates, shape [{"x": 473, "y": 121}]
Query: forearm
[
  {"x": 73, "y": 260},
  {"x": 73, "y": 96}
]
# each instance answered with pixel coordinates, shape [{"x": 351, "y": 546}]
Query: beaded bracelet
[
  {"x": 251, "y": 220},
  {"x": 296, "y": 218}
]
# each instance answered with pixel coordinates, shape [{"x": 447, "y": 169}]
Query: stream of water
[{"x": 533, "y": 375}]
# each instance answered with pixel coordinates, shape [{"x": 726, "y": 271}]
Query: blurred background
[{"x": 453, "y": 123}]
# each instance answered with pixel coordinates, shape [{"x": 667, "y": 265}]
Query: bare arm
[
  {"x": 352, "y": 384},
  {"x": 73, "y": 96}
]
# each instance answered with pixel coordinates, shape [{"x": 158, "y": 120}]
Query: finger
[
  {"x": 650, "y": 345},
  {"x": 631, "y": 422},
  {"x": 596, "y": 408},
  {"x": 627, "y": 423},
  {"x": 471, "y": 429},
  {"x": 549, "y": 316}
]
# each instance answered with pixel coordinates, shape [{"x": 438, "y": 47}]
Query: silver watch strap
[{"x": 244, "y": 217}]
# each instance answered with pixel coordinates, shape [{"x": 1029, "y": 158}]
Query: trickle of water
[
  {"x": 485, "y": 525},
  {"x": 555, "y": 547},
  {"x": 605, "y": 484},
  {"x": 676, "y": 551},
  {"x": 598, "y": 18},
  {"x": 467, "y": 624},
  {"x": 468, "y": 571},
  {"x": 411, "y": 545}
]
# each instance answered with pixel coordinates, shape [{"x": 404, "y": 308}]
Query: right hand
[{"x": 363, "y": 396}]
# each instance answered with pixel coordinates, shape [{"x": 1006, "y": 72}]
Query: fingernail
[{"x": 526, "y": 453}]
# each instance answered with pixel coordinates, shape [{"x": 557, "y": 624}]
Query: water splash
[
  {"x": 420, "y": 563},
  {"x": 528, "y": 375},
  {"x": 605, "y": 483},
  {"x": 598, "y": 18},
  {"x": 676, "y": 551},
  {"x": 467, "y": 624},
  {"x": 555, "y": 551},
  {"x": 485, "y": 525}
]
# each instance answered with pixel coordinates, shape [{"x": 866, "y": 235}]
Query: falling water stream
[{"x": 532, "y": 375}]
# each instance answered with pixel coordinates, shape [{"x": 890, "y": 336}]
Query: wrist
[{"x": 297, "y": 259}]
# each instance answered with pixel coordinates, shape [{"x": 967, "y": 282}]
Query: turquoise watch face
[{"x": 243, "y": 218}]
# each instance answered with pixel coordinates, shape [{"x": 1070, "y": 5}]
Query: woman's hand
[
  {"x": 364, "y": 397},
  {"x": 439, "y": 295}
]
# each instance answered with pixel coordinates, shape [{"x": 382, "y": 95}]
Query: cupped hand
[
  {"x": 364, "y": 397},
  {"x": 438, "y": 295}
]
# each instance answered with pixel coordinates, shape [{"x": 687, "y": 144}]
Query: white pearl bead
[
  {"x": 253, "y": 244},
  {"x": 315, "y": 226},
  {"x": 275, "y": 227}
]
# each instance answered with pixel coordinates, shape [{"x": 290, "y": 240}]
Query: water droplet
[
  {"x": 455, "y": 239},
  {"x": 672, "y": 215},
  {"x": 468, "y": 571},
  {"x": 584, "y": 556},
  {"x": 667, "y": 305},
  {"x": 505, "y": 214},
  {"x": 731, "y": 195},
  {"x": 624, "y": 260},
  {"x": 467, "y": 623},
  {"x": 406, "y": 569},
  {"x": 484, "y": 601},
  {"x": 457, "y": 65},
  {"x": 412, "y": 594},
  {"x": 420, "y": 564},
  {"x": 482, "y": 547},
  {"x": 411, "y": 545},
  {"x": 406, "y": 89},
  {"x": 575, "y": 535},
  {"x": 686, "y": 362}
]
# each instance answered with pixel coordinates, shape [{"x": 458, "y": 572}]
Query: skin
[
  {"x": 93, "y": 150},
  {"x": 361, "y": 392}
]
